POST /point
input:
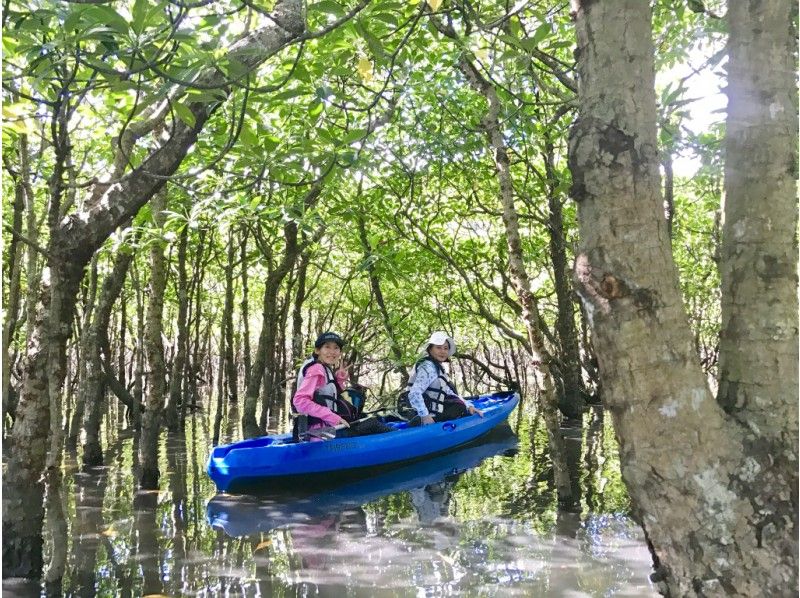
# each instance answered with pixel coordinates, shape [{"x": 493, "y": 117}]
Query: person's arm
[
  {"x": 304, "y": 397},
  {"x": 421, "y": 383}
]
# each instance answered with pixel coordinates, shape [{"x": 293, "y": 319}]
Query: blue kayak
[
  {"x": 249, "y": 515},
  {"x": 276, "y": 461}
]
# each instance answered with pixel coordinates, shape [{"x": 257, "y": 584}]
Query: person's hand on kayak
[
  {"x": 343, "y": 422},
  {"x": 427, "y": 420},
  {"x": 473, "y": 411}
]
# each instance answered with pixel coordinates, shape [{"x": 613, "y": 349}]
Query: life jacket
[
  {"x": 439, "y": 392},
  {"x": 328, "y": 395}
]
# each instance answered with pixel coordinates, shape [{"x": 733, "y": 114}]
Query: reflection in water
[{"x": 480, "y": 521}]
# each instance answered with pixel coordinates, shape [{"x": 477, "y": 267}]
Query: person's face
[
  {"x": 329, "y": 353},
  {"x": 440, "y": 352}
]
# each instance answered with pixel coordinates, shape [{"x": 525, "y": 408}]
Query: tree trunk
[
  {"x": 138, "y": 375},
  {"x": 716, "y": 511},
  {"x": 227, "y": 323},
  {"x": 15, "y": 270},
  {"x": 266, "y": 351},
  {"x": 297, "y": 316},
  {"x": 87, "y": 345},
  {"x": 571, "y": 399},
  {"x": 245, "y": 306},
  {"x": 195, "y": 321},
  {"x": 97, "y": 343},
  {"x": 179, "y": 362},
  {"x": 758, "y": 356},
  {"x": 154, "y": 348}
]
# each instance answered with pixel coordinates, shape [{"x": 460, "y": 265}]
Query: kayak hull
[{"x": 268, "y": 462}]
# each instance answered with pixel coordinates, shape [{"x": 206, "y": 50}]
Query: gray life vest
[{"x": 439, "y": 392}]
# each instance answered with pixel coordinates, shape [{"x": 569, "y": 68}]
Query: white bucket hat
[{"x": 439, "y": 338}]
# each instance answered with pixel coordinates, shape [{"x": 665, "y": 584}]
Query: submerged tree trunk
[
  {"x": 154, "y": 347},
  {"x": 571, "y": 396},
  {"x": 98, "y": 343},
  {"x": 179, "y": 362},
  {"x": 227, "y": 323},
  {"x": 718, "y": 506}
]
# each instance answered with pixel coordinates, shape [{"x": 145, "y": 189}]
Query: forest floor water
[{"x": 482, "y": 521}]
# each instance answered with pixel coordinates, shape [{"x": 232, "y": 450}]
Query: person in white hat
[{"x": 430, "y": 392}]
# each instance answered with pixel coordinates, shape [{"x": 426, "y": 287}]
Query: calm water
[{"x": 479, "y": 522}]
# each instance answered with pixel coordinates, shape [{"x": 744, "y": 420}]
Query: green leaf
[
  {"x": 352, "y": 136},
  {"x": 74, "y": 18},
  {"x": 139, "y": 13},
  {"x": 315, "y": 109},
  {"x": 184, "y": 113},
  {"x": 328, "y": 6},
  {"x": 106, "y": 15},
  {"x": 288, "y": 94}
]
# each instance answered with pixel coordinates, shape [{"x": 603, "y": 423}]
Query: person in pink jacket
[
  {"x": 319, "y": 392},
  {"x": 319, "y": 388}
]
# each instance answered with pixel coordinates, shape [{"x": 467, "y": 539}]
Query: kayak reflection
[{"x": 428, "y": 482}]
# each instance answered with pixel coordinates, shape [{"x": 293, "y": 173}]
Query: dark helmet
[{"x": 328, "y": 337}]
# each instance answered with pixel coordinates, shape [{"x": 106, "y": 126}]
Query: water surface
[{"x": 482, "y": 521}]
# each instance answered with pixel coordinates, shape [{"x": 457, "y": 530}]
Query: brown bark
[
  {"x": 227, "y": 323},
  {"x": 154, "y": 348},
  {"x": 245, "y": 307},
  {"x": 717, "y": 512},
  {"x": 86, "y": 346},
  {"x": 97, "y": 344},
  {"x": 15, "y": 255},
  {"x": 571, "y": 396},
  {"x": 179, "y": 362}
]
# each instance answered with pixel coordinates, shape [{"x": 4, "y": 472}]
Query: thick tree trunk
[
  {"x": 758, "y": 357},
  {"x": 154, "y": 348},
  {"x": 697, "y": 488},
  {"x": 97, "y": 343},
  {"x": 43, "y": 373},
  {"x": 179, "y": 362}
]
